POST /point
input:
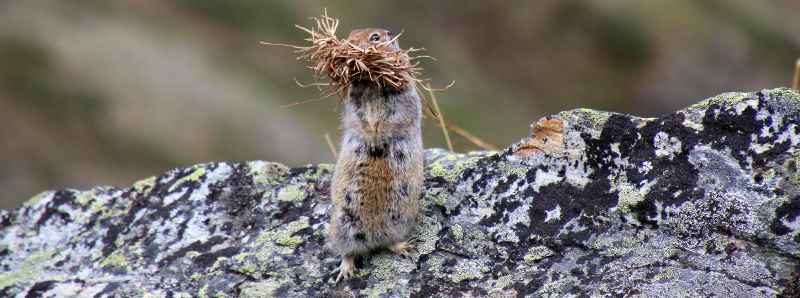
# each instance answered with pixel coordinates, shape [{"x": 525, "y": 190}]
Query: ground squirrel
[{"x": 378, "y": 177}]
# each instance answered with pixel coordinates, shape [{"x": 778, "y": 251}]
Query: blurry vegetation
[
  {"x": 618, "y": 36},
  {"x": 773, "y": 44},
  {"x": 26, "y": 71},
  {"x": 107, "y": 92},
  {"x": 251, "y": 17}
]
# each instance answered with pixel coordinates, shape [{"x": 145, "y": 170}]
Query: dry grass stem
[
  {"x": 470, "y": 137},
  {"x": 330, "y": 145},
  {"x": 796, "y": 83},
  {"x": 441, "y": 120},
  {"x": 289, "y": 105}
]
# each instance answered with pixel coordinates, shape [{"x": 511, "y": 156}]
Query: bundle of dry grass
[{"x": 342, "y": 62}]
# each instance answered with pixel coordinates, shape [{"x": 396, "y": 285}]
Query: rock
[{"x": 704, "y": 201}]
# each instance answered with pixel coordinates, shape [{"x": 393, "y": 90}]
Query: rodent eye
[{"x": 375, "y": 37}]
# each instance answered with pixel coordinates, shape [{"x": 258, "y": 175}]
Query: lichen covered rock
[{"x": 704, "y": 201}]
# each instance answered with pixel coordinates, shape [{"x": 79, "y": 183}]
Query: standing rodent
[{"x": 378, "y": 177}]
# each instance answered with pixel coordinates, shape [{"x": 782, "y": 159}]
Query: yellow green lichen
[
  {"x": 464, "y": 164},
  {"x": 286, "y": 238},
  {"x": 157, "y": 294},
  {"x": 438, "y": 199},
  {"x": 486, "y": 212},
  {"x": 202, "y": 292},
  {"x": 29, "y": 269},
  {"x": 247, "y": 268},
  {"x": 115, "y": 259},
  {"x": 595, "y": 119},
  {"x": 513, "y": 169},
  {"x": 280, "y": 241},
  {"x": 321, "y": 168},
  {"x": 298, "y": 225},
  {"x": 265, "y": 288},
  {"x": 618, "y": 247},
  {"x": 385, "y": 269},
  {"x": 724, "y": 99},
  {"x": 557, "y": 286},
  {"x": 537, "y": 253},
  {"x": 145, "y": 184},
  {"x": 458, "y": 232},
  {"x": 787, "y": 93},
  {"x": 196, "y": 276},
  {"x": 468, "y": 270},
  {"x": 291, "y": 241},
  {"x": 37, "y": 198},
  {"x": 435, "y": 264},
  {"x": 98, "y": 204},
  {"x": 502, "y": 282},
  {"x": 266, "y": 172},
  {"x": 667, "y": 274},
  {"x": 83, "y": 198},
  {"x": 437, "y": 169},
  {"x": 459, "y": 165},
  {"x": 199, "y": 172},
  {"x": 241, "y": 257},
  {"x": 628, "y": 195},
  {"x": 291, "y": 193},
  {"x": 693, "y": 125},
  {"x": 428, "y": 235},
  {"x": 219, "y": 263}
]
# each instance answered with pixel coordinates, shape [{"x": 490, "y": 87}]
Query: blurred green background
[{"x": 107, "y": 92}]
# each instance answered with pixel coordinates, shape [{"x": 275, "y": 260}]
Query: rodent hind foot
[{"x": 346, "y": 268}]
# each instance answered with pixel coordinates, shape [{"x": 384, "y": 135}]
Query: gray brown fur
[{"x": 378, "y": 177}]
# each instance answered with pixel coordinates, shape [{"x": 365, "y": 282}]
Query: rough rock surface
[{"x": 704, "y": 201}]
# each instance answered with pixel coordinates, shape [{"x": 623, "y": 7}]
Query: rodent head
[{"x": 367, "y": 37}]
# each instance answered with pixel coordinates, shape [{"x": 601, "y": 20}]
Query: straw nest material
[{"x": 340, "y": 62}]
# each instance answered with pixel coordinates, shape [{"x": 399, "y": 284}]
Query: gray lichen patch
[
  {"x": 728, "y": 99},
  {"x": 703, "y": 201},
  {"x": 144, "y": 185},
  {"x": 586, "y": 119},
  {"x": 28, "y": 269},
  {"x": 667, "y": 146},
  {"x": 537, "y": 253},
  {"x": 291, "y": 193},
  {"x": 263, "y": 172},
  {"x": 451, "y": 167},
  {"x": 468, "y": 270}
]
